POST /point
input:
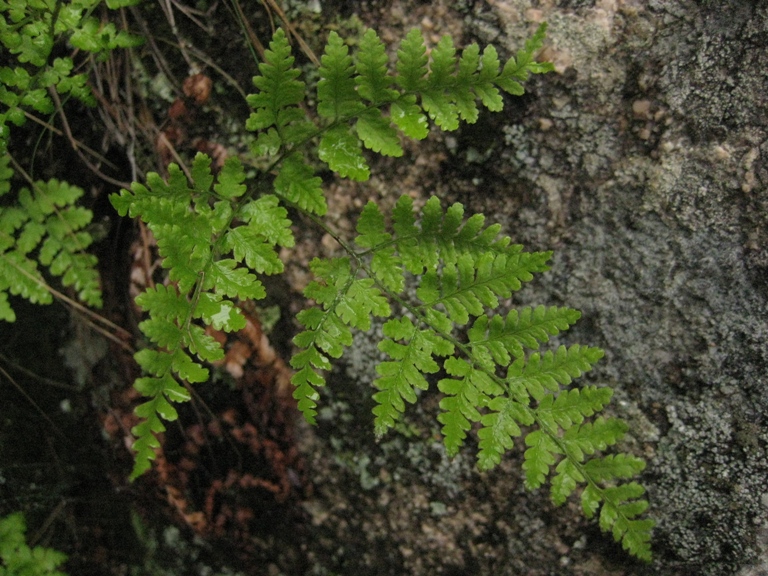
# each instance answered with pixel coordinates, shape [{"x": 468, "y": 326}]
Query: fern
[
  {"x": 18, "y": 559},
  {"x": 448, "y": 274},
  {"x": 42, "y": 225},
  {"x": 46, "y": 227}
]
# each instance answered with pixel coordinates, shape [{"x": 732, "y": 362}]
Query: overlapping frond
[{"x": 214, "y": 246}]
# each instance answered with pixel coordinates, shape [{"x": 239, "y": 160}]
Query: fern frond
[
  {"x": 549, "y": 371},
  {"x": 437, "y": 97},
  {"x": 337, "y": 97},
  {"x": 342, "y": 151},
  {"x": 345, "y": 301},
  {"x": 500, "y": 426},
  {"x": 569, "y": 407},
  {"x": 276, "y": 103},
  {"x": 499, "y": 340},
  {"x": 373, "y": 80},
  {"x": 298, "y": 184},
  {"x": 517, "y": 70},
  {"x": 45, "y": 227},
  {"x": 213, "y": 242},
  {"x": 472, "y": 389},
  {"x": 412, "y": 63},
  {"x": 404, "y": 373}
]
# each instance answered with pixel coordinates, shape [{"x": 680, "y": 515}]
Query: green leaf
[
  {"x": 219, "y": 313},
  {"x": 377, "y": 134},
  {"x": 499, "y": 427},
  {"x": 229, "y": 280},
  {"x": 412, "y": 62},
  {"x": 565, "y": 481},
  {"x": 230, "y": 181},
  {"x": 164, "y": 302},
  {"x": 279, "y": 90},
  {"x": 297, "y": 183},
  {"x": 538, "y": 458},
  {"x": 550, "y": 371},
  {"x": 472, "y": 389},
  {"x": 399, "y": 377},
  {"x": 270, "y": 220},
  {"x": 407, "y": 116},
  {"x": 437, "y": 97},
  {"x": 370, "y": 227},
  {"x": 569, "y": 407},
  {"x": 359, "y": 302},
  {"x": 205, "y": 346},
  {"x": 249, "y": 245},
  {"x": 337, "y": 97},
  {"x": 201, "y": 174},
  {"x": 341, "y": 150},
  {"x": 373, "y": 81}
]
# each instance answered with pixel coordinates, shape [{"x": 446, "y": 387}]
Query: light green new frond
[
  {"x": 470, "y": 390},
  {"x": 17, "y": 558},
  {"x": 373, "y": 79},
  {"x": 404, "y": 373},
  {"x": 549, "y": 371},
  {"x": 337, "y": 97},
  {"x": 516, "y": 70}
]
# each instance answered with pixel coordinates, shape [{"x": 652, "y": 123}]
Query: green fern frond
[
  {"x": 472, "y": 389},
  {"x": 46, "y": 227},
  {"x": 344, "y": 301},
  {"x": 277, "y": 102},
  {"x": 446, "y": 271},
  {"x": 549, "y": 371},
  {"x": 337, "y": 97},
  {"x": 373, "y": 80},
  {"x": 213, "y": 243},
  {"x": 404, "y": 373},
  {"x": 298, "y": 184},
  {"x": 16, "y": 556}
]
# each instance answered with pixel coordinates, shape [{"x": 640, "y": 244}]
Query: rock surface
[{"x": 642, "y": 164}]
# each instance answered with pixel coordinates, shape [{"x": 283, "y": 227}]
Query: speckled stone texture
[{"x": 643, "y": 163}]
